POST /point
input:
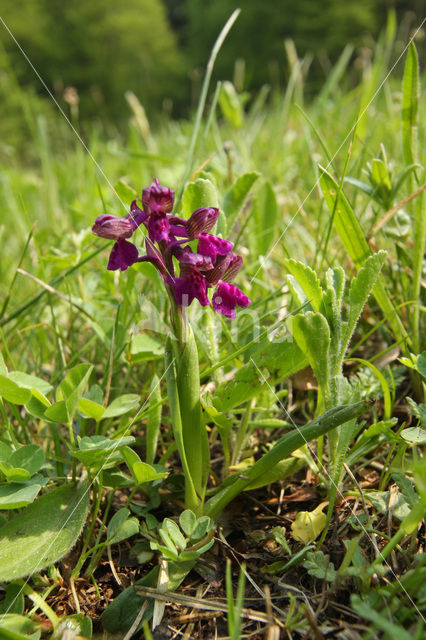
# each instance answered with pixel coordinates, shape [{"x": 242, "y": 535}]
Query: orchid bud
[
  {"x": 112, "y": 227},
  {"x": 201, "y": 221},
  {"x": 158, "y": 199},
  {"x": 234, "y": 265}
]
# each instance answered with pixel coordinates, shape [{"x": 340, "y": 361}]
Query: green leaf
[
  {"x": 174, "y": 532},
  {"x": 5, "y": 451},
  {"x": 345, "y": 221},
  {"x": 187, "y": 521},
  {"x": 125, "y": 192},
  {"x": 121, "y": 405},
  {"x": 13, "y": 601},
  {"x": 14, "y": 474},
  {"x": 16, "y": 495},
  {"x": 196, "y": 553},
  {"x": 319, "y": 565},
  {"x": 281, "y": 356},
  {"x": 75, "y": 627},
  {"x": 308, "y": 524},
  {"x": 141, "y": 471},
  {"x": 269, "y": 360},
  {"x": 144, "y": 472},
  {"x": 312, "y": 334},
  {"x": 11, "y": 392},
  {"x": 366, "y": 188},
  {"x": 236, "y": 195},
  {"x": 72, "y": 380},
  {"x": 94, "y": 450},
  {"x": 3, "y": 368},
  {"x": 266, "y": 216},
  {"x": 200, "y": 193},
  {"x": 410, "y": 101},
  {"x": 380, "y": 621},
  {"x": 352, "y": 237},
  {"x": 246, "y": 384},
  {"x": 421, "y": 364},
  {"x": 121, "y": 526},
  {"x": 361, "y": 287},
  {"x": 201, "y": 528},
  {"x": 146, "y": 347},
  {"x": 37, "y": 407},
  {"x": 26, "y": 381},
  {"x": 57, "y": 412},
  {"x": 380, "y": 177},
  {"x": 170, "y": 550},
  {"x": 231, "y": 105},
  {"x": 29, "y": 457},
  {"x": 414, "y": 435},
  {"x": 75, "y": 396},
  {"x": 44, "y": 532},
  {"x": 17, "y": 627},
  {"x": 332, "y": 303},
  {"x": 122, "y": 612},
  {"x": 308, "y": 280},
  {"x": 418, "y": 410},
  {"x": 281, "y": 470},
  {"x": 69, "y": 392},
  {"x": 91, "y": 409}
]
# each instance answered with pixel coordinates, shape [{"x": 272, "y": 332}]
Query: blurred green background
[{"x": 90, "y": 53}]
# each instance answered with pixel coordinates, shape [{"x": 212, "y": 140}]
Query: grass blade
[
  {"x": 410, "y": 101},
  {"x": 202, "y": 101}
]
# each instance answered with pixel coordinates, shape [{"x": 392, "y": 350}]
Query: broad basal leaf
[{"x": 44, "y": 532}]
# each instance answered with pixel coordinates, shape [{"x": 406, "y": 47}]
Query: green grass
[{"x": 60, "y": 311}]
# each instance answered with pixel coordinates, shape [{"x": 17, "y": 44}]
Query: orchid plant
[
  {"x": 205, "y": 261},
  {"x": 212, "y": 266}
]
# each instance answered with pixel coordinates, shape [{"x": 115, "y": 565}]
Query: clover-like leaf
[{"x": 122, "y": 526}]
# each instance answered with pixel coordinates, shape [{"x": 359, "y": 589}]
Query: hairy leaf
[{"x": 44, "y": 532}]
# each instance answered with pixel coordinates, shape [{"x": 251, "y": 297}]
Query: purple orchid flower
[
  {"x": 227, "y": 297},
  {"x": 212, "y": 246},
  {"x": 122, "y": 256},
  {"x": 191, "y": 285},
  {"x": 157, "y": 198},
  {"x": 213, "y": 264}
]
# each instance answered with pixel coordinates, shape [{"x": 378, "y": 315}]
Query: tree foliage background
[{"x": 158, "y": 49}]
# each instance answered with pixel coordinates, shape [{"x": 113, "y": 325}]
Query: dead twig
[{"x": 207, "y": 605}]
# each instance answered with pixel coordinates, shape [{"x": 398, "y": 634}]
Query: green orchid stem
[
  {"x": 178, "y": 320},
  {"x": 282, "y": 449},
  {"x": 40, "y": 603},
  {"x": 183, "y": 390}
]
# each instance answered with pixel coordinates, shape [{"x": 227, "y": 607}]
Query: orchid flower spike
[{"x": 212, "y": 266}]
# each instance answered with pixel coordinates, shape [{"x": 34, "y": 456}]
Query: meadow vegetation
[{"x": 307, "y": 519}]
